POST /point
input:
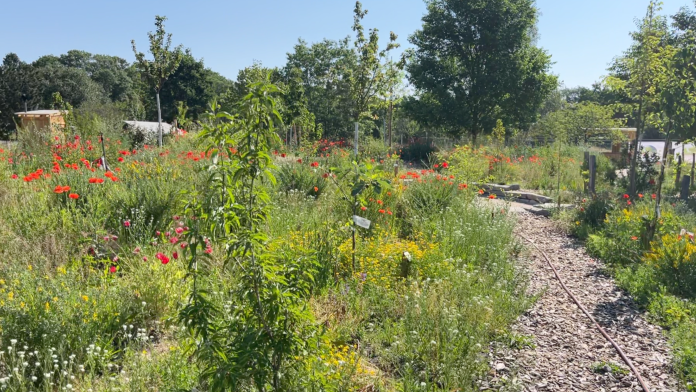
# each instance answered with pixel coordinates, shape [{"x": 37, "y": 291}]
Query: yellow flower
[
  {"x": 29, "y": 267},
  {"x": 10, "y": 295},
  {"x": 47, "y": 306},
  {"x": 55, "y": 299},
  {"x": 85, "y": 298}
]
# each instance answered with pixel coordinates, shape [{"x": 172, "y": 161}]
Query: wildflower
[
  {"x": 282, "y": 155},
  {"x": 379, "y": 202},
  {"x": 363, "y": 208},
  {"x": 136, "y": 250},
  {"x": 491, "y": 196},
  {"x": 445, "y": 165},
  {"x": 640, "y": 195},
  {"x": 316, "y": 189},
  {"x": 74, "y": 196},
  {"x": 625, "y": 196},
  {"x": 299, "y": 160},
  {"x": 179, "y": 230},
  {"x": 481, "y": 192},
  {"x": 654, "y": 196},
  {"x": 144, "y": 258},
  {"x": 112, "y": 269},
  {"x": 126, "y": 223},
  {"x": 14, "y": 176},
  {"x": 173, "y": 240},
  {"x": 175, "y": 256},
  {"x": 634, "y": 238},
  {"x": 161, "y": 257},
  {"x": 629, "y": 203},
  {"x": 314, "y": 164},
  {"x": 85, "y": 298},
  {"x": 382, "y": 211},
  {"x": 325, "y": 175},
  {"x": 120, "y": 159},
  {"x": 58, "y": 189},
  {"x": 208, "y": 250}
]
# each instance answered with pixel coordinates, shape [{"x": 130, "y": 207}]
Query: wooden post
[
  {"x": 693, "y": 168},
  {"x": 586, "y": 165},
  {"x": 678, "y": 178},
  {"x": 593, "y": 174},
  {"x": 685, "y": 188},
  {"x": 357, "y": 125}
]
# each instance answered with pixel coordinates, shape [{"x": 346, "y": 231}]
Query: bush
[{"x": 418, "y": 152}]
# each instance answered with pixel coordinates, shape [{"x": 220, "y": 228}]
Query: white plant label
[{"x": 362, "y": 222}]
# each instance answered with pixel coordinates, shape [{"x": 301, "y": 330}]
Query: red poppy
[
  {"x": 389, "y": 212},
  {"x": 299, "y": 160},
  {"x": 640, "y": 195},
  {"x": 382, "y": 211},
  {"x": 379, "y": 202},
  {"x": 626, "y": 196},
  {"x": 173, "y": 240},
  {"x": 326, "y": 175},
  {"x": 74, "y": 196},
  {"x": 481, "y": 192},
  {"x": 654, "y": 196},
  {"x": 634, "y": 238},
  {"x": 282, "y": 155},
  {"x": 175, "y": 255},
  {"x": 58, "y": 189},
  {"x": 316, "y": 189},
  {"x": 161, "y": 257},
  {"x": 445, "y": 165},
  {"x": 112, "y": 269},
  {"x": 314, "y": 164},
  {"x": 491, "y": 196},
  {"x": 14, "y": 176},
  {"x": 363, "y": 208},
  {"x": 436, "y": 166},
  {"x": 120, "y": 159},
  {"x": 629, "y": 202},
  {"x": 126, "y": 223},
  {"x": 179, "y": 230}
]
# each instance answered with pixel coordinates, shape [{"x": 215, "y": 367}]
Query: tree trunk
[
  {"x": 159, "y": 121},
  {"x": 652, "y": 228}
]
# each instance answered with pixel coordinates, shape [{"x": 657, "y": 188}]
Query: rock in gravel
[{"x": 567, "y": 352}]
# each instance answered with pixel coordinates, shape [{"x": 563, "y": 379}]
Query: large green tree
[{"x": 474, "y": 62}]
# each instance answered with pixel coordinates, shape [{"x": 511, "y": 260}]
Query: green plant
[{"x": 253, "y": 343}]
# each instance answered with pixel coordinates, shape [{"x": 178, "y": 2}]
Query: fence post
[
  {"x": 685, "y": 188},
  {"x": 586, "y": 165},
  {"x": 593, "y": 174},
  {"x": 678, "y": 178},
  {"x": 693, "y": 168}
]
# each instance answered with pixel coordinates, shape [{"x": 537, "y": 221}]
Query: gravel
[{"x": 568, "y": 353}]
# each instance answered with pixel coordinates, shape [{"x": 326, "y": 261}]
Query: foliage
[{"x": 453, "y": 91}]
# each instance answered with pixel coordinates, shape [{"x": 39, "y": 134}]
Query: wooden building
[{"x": 40, "y": 119}]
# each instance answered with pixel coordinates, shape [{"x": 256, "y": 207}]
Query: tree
[
  {"x": 368, "y": 80},
  {"x": 164, "y": 63},
  {"x": 635, "y": 75},
  {"x": 17, "y": 81},
  {"x": 474, "y": 62},
  {"x": 323, "y": 67}
]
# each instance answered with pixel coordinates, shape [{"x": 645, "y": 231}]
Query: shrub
[{"x": 418, "y": 152}]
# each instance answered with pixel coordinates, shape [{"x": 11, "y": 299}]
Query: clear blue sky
[{"x": 582, "y": 35}]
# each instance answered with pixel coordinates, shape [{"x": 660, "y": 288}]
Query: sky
[{"x": 582, "y": 36}]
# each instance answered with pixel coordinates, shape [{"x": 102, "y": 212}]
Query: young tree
[
  {"x": 636, "y": 73},
  {"x": 164, "y": 63},
  {"x": 474, "y": 62},
  {"x": 369, "y": 78}
]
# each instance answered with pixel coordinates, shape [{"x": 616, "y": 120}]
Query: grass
[{"x": 91, "y": 286}]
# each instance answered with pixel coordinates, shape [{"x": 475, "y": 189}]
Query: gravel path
[{"x": 568, "y": 353}]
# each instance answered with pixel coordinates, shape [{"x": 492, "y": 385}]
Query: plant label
[{"x": 362, "y": 222}]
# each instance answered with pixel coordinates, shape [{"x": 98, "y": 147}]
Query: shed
[{"x": 42, "y": 118}]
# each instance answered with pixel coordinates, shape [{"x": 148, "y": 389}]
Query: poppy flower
[
  {"x": 654, "y": 196},
  {"x": 634, "y": 238},
  {"x": 282, "y": 155},
  {"x": 436, "y": 166},
  {"x": 629, "y": 203},
  {"x": 382, "y": 211},
  {"x": 14, "y": 176},
  {"x": 299, "y": 160},
  {"x": 379, "y": 202},
  {"x": 363, "y": 208},
  {"x": 120, "y": 159},
  {"x": 58, "y": 189},
  {"x": 74, "y": 196},
  {"x": 208, "y": 250},
  {"x": 175, "y": 255},
  {"x": 481, "y": 192},
  {"x": 389, "y": 212},
  {"x": 126, "y": 223},
  {"x": 625, "y": 196},
  {"x": 161, "y": 257},
  {"x": 179, "y": 230},
  {"x": 144, "y": 258},
  {"x": 445, "y": 165},
  {"x": 491, "y": 196},
  {"x": 316, "y": 189},
  {"x": 173, "y": 240},
  {"x": 112, "y": 269},
  {"x": 314, "y": 164},
  {"x": 640, "y": 195}
]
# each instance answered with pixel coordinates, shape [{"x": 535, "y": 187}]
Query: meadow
[{"x": 221, "y": 262}]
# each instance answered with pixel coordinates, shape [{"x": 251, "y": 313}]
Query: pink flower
[
  {"x": 175, "y": 256},
  {"x": 179, "y": 230},
  {"x": 208, "y": 250},
  {"x": 136, "y": 250},
  {"x": 144, "y": 258},
  {"x": 173, "y": 240},
  {"x": 112, "y": 269},
  {"x": 126, "y": 223}
]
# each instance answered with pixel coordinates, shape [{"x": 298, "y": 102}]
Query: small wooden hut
[{"x": 41, "y": 119}]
